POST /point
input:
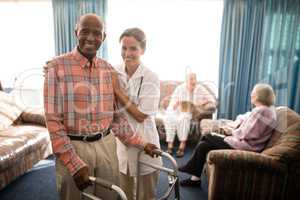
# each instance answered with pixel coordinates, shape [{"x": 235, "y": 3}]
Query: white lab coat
[{"x": 146, "y": 83}]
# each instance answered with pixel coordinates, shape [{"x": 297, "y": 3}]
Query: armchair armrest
[
  {"x": 236, "y": 174},
  {"x": 244, "y": 160},
  {"x": 34, "y": 116},
  {"x": 199, "y": 112},
  {"x": 209, "y": 125}
]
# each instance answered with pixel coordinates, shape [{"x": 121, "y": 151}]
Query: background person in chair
[
  {"x": 81, "y": 117},
  {"x": 251, "y": 133},
  {"x": 185, "y": 99},
  {"x": 139, "y": 94}
]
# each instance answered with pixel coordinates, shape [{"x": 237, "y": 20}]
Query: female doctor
[{"x": 138, "y": 92}]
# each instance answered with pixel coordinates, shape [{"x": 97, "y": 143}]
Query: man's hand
[
  {"x": 186, "y": 106},
  {"x": 81, "y": 178},
  {"x": 115, "y": 81},
  {"x": 45, "y": 68},
  {"x": 149, "y": 149},
  {"x": 226, "y": 130}
]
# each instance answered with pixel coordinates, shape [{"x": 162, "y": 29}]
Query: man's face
[
  {"x": 191, "y": 81},
  {"x": 253, "y": 97},
  {"x": 131, "y": 51},
  {"x": 90, "y": 36}
]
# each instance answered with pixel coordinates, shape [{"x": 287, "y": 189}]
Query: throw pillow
[
  {"x": 9, "y": 110},
  {"x": 34, "y": 115}
]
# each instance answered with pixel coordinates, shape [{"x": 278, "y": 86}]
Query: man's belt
[{"x": 90, "y": 138}]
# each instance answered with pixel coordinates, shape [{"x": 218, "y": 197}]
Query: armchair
[
  {"x": 272, "y": 174},
  {"x": 166, "y": 90}
]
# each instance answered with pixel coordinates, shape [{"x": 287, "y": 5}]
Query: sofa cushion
[
  {"x": 9, "y": 110},
  {"x": 294, "y": 127},
  {"x": 285, "y": 118},
  {"x": 19, "y": 141},
  {"x": 20, "y": 148},
  {"x": 287, "y": 149},
  {"x": 287, "y": 146}
]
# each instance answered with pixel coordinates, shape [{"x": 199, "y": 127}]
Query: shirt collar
[
  {"x": 83, "y": 61},
  {"x": 140, "y": 71}
]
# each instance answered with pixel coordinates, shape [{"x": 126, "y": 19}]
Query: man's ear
[
  {"x": 76, "y": 32},
  {"x": 104, "y": 36}
]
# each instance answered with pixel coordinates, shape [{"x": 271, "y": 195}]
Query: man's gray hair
[{"x": 264, "y": 94}]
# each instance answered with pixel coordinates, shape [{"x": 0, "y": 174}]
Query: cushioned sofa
[
  {"x": 272, "y": 174},
  {"x": 22, "y": 145},
  {"x": 166, "y": 91}
]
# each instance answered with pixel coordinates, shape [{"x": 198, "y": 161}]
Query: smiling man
[{"x": 81, "y": 118}]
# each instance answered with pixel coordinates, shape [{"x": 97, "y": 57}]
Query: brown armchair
[{"x": 272, "y": 174}]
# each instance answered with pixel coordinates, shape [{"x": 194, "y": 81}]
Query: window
[
  {"x": 27, "y": 42},
  {"x": 179, "y": 33}
]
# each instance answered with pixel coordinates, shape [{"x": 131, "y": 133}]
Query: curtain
[
  {"x": 66, "y": 14},
  {"x": 241, "y": 35},
  {"x": 279, "y": 64},
  {"x": 258, "y": 44}
]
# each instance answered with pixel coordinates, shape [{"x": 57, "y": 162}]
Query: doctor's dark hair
[{"x": 137, "y": 34}]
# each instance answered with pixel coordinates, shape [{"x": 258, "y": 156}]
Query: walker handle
[
  {"x": 106, "y": 184},
  {"x": 102, "y": 182},
  {"x": 158, "y": 152}
]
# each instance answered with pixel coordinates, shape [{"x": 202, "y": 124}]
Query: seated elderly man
[
  {"x": 186, "y": 100},
  {"x": 249, "y": 132}
]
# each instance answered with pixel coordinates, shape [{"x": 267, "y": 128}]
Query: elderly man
[
  {"x": 185, "y": 99},
  {"x": 81, "y": 115}
]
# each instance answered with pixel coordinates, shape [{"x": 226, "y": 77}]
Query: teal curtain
[
  {"x": 258, "y": 44},
  {"x": 241, "y": 35},
  {"x": 66, "y": 14},
  {"x": 279, "y": 64}
]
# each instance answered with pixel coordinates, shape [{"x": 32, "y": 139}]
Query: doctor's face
[{"x": 131, "y": 51}]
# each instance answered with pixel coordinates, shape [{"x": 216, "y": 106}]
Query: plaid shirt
[
  {"x": 79, "y": 99},
  {"x": 255, "y": 129}
]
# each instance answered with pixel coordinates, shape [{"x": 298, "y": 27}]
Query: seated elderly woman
[{"x": 250, "y": 132}]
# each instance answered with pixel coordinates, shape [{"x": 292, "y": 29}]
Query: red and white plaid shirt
[{"x": 79, "y": 99}]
